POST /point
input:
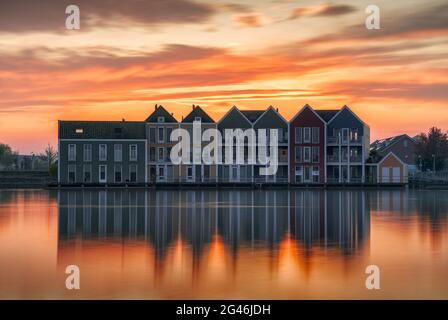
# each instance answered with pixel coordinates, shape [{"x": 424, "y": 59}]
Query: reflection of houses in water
[{"x": 329, "y": 219}]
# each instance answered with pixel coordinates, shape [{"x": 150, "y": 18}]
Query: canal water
[{"x": 224, "y": 244}]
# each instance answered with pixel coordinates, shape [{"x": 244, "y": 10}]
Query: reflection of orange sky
[
  {"x": 411, "y": 254},
  {"x": 395, "y": 80}
]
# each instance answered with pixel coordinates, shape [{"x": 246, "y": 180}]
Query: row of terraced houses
[{"x": 316, "y": 147}]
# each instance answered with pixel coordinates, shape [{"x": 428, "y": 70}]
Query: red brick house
[{"x": 307, "y": 150}]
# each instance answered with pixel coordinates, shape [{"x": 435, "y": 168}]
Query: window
[
  {"x": 152, "y": 154},
  {"x": 161, "y": 154},
  {"x": 87, "y": 173},
  {"x": 197, "y": 119},
  {"x": 71, "y": 173},
  {"x": 161, "y": 172},
  {"x": 354, "y": 135},
  {"x": 133, "y": 173},
  {"x": 160, "y": 119},
  {"x": 103, "y": 152},
  {"x": 168, "y": 133},
  {"x": 298, "y": 135},
  {"x": 306, "y": 135},
  {"x": 405, "y": 143},
  {"x": 344, "y": 135},
  {"x": 133, "y": 152},
  {"x": 118, "y": 153},
  {"x": 103, "y": 173},
  {"x": 152, "y": 135},
  {"x": 190, "y": 172},
  {"x": 316, "y": 174},
  {"x": 79, "y": 130},
  {"x": 315, "y": 154},
  {"x": 306, "y": 154},
  {"x": 72, "y": 152},
  {"x": 117, "y": 173},
  {"x": 160, "y": 136},
  {"x": 315, "y": 137},
  {"x": 299, "y": 174},
  {"x": 87, "y": 152},
  {"x": 307, "y": 174},
  {"x": 298, "y": 154}
]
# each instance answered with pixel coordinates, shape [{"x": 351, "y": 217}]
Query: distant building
[{"x": 403, "y": 146}]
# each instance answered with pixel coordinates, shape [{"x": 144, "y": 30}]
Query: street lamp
[{"x": 433, "y": 163}]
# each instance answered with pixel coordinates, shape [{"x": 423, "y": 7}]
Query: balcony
[
  {"x": 356, "y": 158},
  {"x": 333, "y": 158}
]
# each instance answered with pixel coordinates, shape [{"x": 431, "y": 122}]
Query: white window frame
[
  {"x": 160, "y": 119},
  {"x": 105, "y": 152},
  {"x": 313, "y": 131},
  {"x": 305, "y": 159},
  {"x": 72, "y": 154},
  {"x": 84, "y": 172},
  {"x": 301, "y": 155},
  {"x": 159, "y": 140},
  {"x": 298, "y": 138},
  {"x": 307, "y": 132},
  {"x": 131, "y": 157},
  {"x": 87, "y": 152},
  {"x": 190, "y": 177},
  {"x": 68, "y": 172},
  {"x": 158, "y": 154},
  {"x": 118, "y": 153},
  {"x": 133, "y": 165},
  {"x": 105, "y": 173},
  {"x": 121, "y": 173}
]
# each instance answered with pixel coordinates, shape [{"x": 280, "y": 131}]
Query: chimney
[
  {"x": 122, "y": 120},
  {"x": 155, "y": 108},
  {"x": 182, "y": 118},
  {"x": 276, "y": 109},
  {"x": 194, "y": 107}
]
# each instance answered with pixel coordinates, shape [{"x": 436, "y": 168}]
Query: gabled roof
[
  {"x": 271, "y": 108},
  {"x": 198, "y": 112},
  {"x": 345, "y": 107},
  {"x": 383, "y": 144},
  {"x": 306, "y": 106},
  {"x": 230, "y": 111},
  {"x": 327, "y": 115},
  {"x": 252, "y": 115},
  {"x": 393, "y": 155},
  {"x": 160, "y": 111}
]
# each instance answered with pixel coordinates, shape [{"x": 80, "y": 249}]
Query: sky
[{"x": 129, "y": 55}]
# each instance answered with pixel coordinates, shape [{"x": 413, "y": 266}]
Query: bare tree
[{"x": 50, "y": 154}]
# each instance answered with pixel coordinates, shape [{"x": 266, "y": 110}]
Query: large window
[
  {"x": 298, "y": 154},
  {"x": 168, "y": 133},
  {"x": 133, "y": 152},
  {"x": 133, "y": 173},
  {"x": 118, "y": 152},
  {"x": 307, "y": 135},
  {"x": 72, "y": 173},
  {"x": 307, "y": 174},
  {"x": 298, "y": 135},
  {"x": 315, "y": 136},
  {"x": 160, "y": 134},
  {"x": 315, "y": 155},
  {"x": 316, "y": 174},
  {"x": 117, "y": 173},
  {"x": 87, "y": 173},
  {"x": 72, "y": 152},
  {"x": 160, "y": 154},
  {"x": 103, "y": 152},
  {"x": 103, "y": 173},
  {"x": 306, "y": 154},
  {"x": 87, "y": 152},
  {"x": 152, "y": 134},
  {"x": 152, "y": 154}
]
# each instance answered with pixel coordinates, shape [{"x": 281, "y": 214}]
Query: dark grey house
[
  {"x": 101, "y": 153},
  {"x": 347, "y": 146}
]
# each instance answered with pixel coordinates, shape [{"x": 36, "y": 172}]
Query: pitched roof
[
  {"x": 382, "y": 144},
  {"x": 252, "y": 115},
  {"x": 198, "y": 112},
  {"x": 101, "y": 130},
  {"x": 160, "y": 111},
  {"x": 327, "y": 115}
]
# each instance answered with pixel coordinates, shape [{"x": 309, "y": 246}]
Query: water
[{"x": 202, "y": 244}]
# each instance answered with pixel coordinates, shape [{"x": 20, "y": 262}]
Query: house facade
[
  {"x": 403, "y": 146},
  {"x": 271, "y": 119},
  {"x": 194, "y": 172},
  {"x": 101, "y": 152},
  {"x": 348, "y": 144},
  {"x": 233, "y": 172},
  {"x": 159, "y": 126},
  {"x": 307, "y": 133}
]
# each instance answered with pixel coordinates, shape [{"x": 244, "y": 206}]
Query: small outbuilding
[{"x": 391, "y": 170}]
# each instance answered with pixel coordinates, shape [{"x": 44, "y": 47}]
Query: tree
[
  {"x": 432, "y": 149},
  {"x": 50, "y": 155},
  {"x": 7, "y": 156}
]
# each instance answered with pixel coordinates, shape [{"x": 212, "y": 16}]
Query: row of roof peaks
[{"x": 251, "y": 115}]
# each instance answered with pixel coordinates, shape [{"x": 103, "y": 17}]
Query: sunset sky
[{"x": 130, "y": 55}]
